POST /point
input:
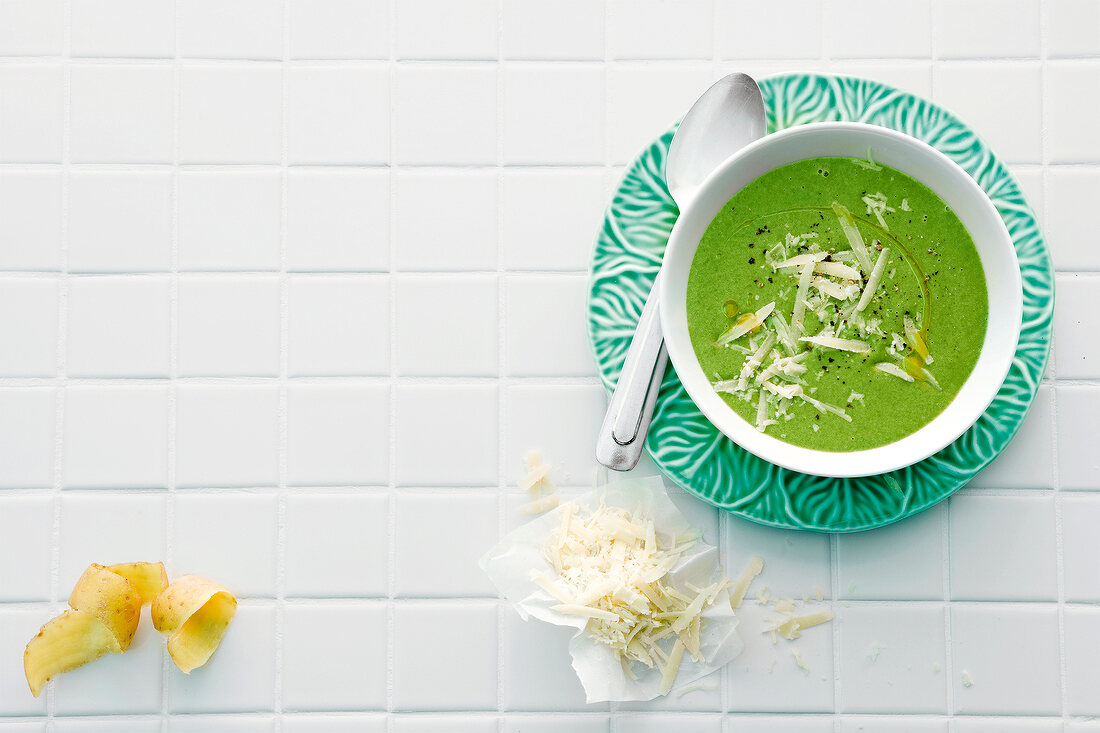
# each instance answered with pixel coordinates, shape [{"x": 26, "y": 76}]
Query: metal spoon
[{"x": 728, "y": 116}]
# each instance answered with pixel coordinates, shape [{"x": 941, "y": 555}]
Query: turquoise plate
[{"x": 691, "y": 451}]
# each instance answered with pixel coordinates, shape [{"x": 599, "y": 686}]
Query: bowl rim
[{"x": 924, "y": 442}]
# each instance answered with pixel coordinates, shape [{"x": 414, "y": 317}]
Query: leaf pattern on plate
[{"x": 695, "y": 454}]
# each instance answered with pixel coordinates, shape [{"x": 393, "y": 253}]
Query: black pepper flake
[
  {"x": 752, "y": 260},
  {"x": 830, "y": 360}
]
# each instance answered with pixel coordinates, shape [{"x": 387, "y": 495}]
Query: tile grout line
[
  {"x": 284, "y": 359},
  {"x": 725, "y": 678},
  {"x": 502, "y": 356},
  {"x": 835, "y": 626},
  {"x": 834, "y": 540},
  {"x": 945, "y": 521},
  {"x": 1059, "y": 526},
  {"x": 173, "y": 352},
  {"x": 62, "y": 344},
  {"x": 250, "y": 167},
  {"x": 612, "y": 707},
  {"x": 391, "y": 506},
  {"x": 377, "y": 63}
]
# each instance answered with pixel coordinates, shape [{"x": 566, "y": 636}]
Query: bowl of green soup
[{"x": 841, "y": 299}]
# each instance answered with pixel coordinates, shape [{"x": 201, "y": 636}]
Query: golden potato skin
[
  {"x": 64, "y": 643},
  {"x": 149, "y": 578},
  {"x": 195, "y": 613},
  {"x": 112, "y": 599}
]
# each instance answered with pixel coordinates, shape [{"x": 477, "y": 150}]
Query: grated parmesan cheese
[
  {"x": 789, "y": 391},
  {"x": 855, "y": 239},
  {"x": 835, "y": 290},
  {"x": 755, "y": 320},
  {"x": 791, "y": 626},
  {"x": 829, "y": 341},
  {"x": 800, "y": 661},
  {"x": 800, "y": 297},
  {"x": 894, "y": 369},
  {"x": 612, "y": 567},
  {"x": 874, "y": 280},
  {"x": 876, "y": 206},
  {"x": 838, "y": 269},
  {"x": 537, "y": 484},
  {"x": 741, "y": 587},
  {"x": 754, "y": 361},
  {"x": 800, "y": 261}
]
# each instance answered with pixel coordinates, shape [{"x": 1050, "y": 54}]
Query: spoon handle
[{"x": 622, "y": 435}]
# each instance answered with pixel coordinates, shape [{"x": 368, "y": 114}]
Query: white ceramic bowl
[{"x": 930, "y": 167}]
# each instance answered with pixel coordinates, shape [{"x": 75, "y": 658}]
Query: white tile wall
[
  {"x": 228, "y": 220},
  {"x": 337, "y": 545},
  {"x": 338, "y": 29},
  {"x": 337, "y": 220},
  {"x": 31, "y": 337},
  {"x": 461, "y": 232},
  {"x": 445, "y": 114},
  {"x": 121, "y": 28},
  {"x": 121, "y": 114},
  {"x": 30, "y": 220},
  {"x": 27, "y": 427},
  {"x": 119, "y": 221},
  {"x": 116, "y": 326},
  {"x": 26, "y": 576},
  {"x": 32, "y": 131},
  {"x": 288, "y": 288},
  {"x": 335, "y": 657}
]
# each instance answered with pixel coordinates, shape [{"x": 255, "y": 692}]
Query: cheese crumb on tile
[
  {"x": 741, "y": 587},
  {"x": 537, "y": 484},
  {"x": 790, "y": 627},
  {"x": 797, "y": 653}
]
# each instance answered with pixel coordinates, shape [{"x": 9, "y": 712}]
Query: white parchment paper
[{"x": 510, "y": 563}]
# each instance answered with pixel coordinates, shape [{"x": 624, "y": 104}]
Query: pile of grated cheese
[
  {"x": 838, "y": 288},
  {"x": 612, "y": 567}
]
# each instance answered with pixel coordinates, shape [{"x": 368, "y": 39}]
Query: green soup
[{"x": 890, "y": 321}]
